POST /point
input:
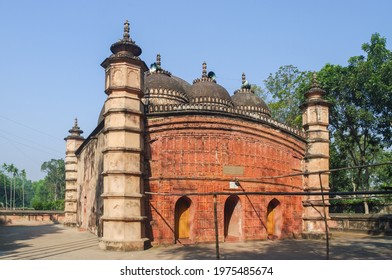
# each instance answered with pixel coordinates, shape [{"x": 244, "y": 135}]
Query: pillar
[
  {"x": 123, "y": 220},
  {"x": 73, "y": 142},
  {"x": 315, "y": 120}
]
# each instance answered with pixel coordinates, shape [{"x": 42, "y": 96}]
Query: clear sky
[{"x": 51, "y": 53}]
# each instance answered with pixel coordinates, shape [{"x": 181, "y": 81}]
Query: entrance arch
[
  {"x": 182, "y": 218},
  {"x": 274, "y": 219},
  {"x": 233, "y": 218}
]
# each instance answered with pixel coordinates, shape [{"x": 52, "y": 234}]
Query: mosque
[{"x": 173, "y": 162}]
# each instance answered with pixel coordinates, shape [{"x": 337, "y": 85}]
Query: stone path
[{"x": 55, "y": 242}]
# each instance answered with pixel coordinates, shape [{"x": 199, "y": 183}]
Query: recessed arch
[
  {"x": 274, "y": 219},
  {"x": 233, "y": 218},
  {"x": 182, "y": 218}
]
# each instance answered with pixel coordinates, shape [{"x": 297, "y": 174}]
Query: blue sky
[{"x": 51, "y": 53}]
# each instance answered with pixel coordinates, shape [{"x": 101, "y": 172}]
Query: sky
[{"x": 51, "y": 53}]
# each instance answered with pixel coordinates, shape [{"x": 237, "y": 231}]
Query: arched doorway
[
  {"x": 274, "y": 219},
  {"x": 182, "y": 218},
  {"x": 233, "y": 218}
]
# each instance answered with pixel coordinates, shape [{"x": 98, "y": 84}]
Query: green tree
[
  {"x": 15, "y": 188},
  {"x": 361, "y": 112},
  {"x": 11, "y": 169},
  {"x": 286, "y": 89},
  {"x": 4, "y": 181},
  {"x": 55, "y": 177},
  {"x": 42, "y": 195},
  {"x": 23, "y": 178}
]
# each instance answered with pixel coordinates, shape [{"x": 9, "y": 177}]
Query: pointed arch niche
[
  {"x": 233, "y": 218},
  {"x": 274, "y": 219},
  {"x": 182, "y": 218}
]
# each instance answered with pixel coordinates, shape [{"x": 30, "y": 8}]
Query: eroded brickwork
[{"x": 90, "y": 185}]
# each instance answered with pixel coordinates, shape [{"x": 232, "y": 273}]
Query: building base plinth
[
  {"x": 131, "y": 245},
  {"x": 70, "y": 224},
  {"x": 315, "y": 235}
]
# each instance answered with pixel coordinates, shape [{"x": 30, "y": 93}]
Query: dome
[
  {"x": 206, "y": 90},
  {"x": 246, "y": 99},
  {"x": 185, "y": 85},
  {"x": 100, "y": 117},
  {"x": 126, "y": 45},
  {"x": 160, "y": 87}
]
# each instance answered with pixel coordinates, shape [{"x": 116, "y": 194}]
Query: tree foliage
[
  {"x": 15, "y": 189},
  {"x": 55, "y": 177},
  {"x": 17, "y": 192},
  {"x": 286, "y": 88},
  {"x": 360, "y": 115},
  {"x": 361, "y": 112}
]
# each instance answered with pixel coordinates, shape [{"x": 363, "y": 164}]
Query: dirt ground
[{"x": 56, "y": 242}]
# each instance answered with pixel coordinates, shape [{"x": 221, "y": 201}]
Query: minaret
[
  {"x": 73, "y": 142},
  {"x": 123, "y": 219},
  {"x": 315, "y": 120}
]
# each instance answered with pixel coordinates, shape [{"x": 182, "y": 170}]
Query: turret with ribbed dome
[
  {"x": 246, "y": 99},
  {"x": 73, "y": 142},
  {"x": 124, "y": 48},
  {"x": 123, "y": 220},
  {"x": 160, "y": 87},
  {"x": 126, "y": 44},
  {"x": 315, "y": 121},
  {"x": 206, "y": 90}
]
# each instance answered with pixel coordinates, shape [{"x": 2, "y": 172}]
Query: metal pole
[
  {"x": 216, "y": 228},
  {"x": 325, "y": 217}
]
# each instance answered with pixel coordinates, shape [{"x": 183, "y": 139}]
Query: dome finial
[
  {"x": 204, "y": 73},
  {"x": 158, "y": 60},
  {"x": 315, "y": 83},
  {"x": 315, "y": 90},
  {"x": 245, "y": 83},
  {"x": 76, "y": 123},
  {"x": 75, "y": 131},
  {"x": 126, "y": 31}
]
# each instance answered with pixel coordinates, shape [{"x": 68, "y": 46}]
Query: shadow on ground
[
  {"x": 41, "y": 241},
  {"x": 59, "y": 243},
  {"x": 13, "y": 240}
]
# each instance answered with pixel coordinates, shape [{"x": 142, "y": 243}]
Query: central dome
[{"x": 206, "y": 90}]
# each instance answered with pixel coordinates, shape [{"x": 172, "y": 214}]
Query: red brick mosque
[{"x": 162, "y": 147}]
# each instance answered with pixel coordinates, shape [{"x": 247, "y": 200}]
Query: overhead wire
[
  {"x": 31, "y": 128},
  {"x": 28, "y": 146}
]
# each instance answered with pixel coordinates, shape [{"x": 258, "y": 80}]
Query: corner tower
[
  {"x": 73, "y": 142},
  {"x": 123, "y": 217},
  {"x": 315, "y": 121}
]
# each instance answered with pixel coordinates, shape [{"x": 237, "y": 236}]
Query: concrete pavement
[{"x": 56, "y": 242}]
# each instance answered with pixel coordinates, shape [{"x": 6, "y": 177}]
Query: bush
[
  {"x": 37, "y": 205},
  {"x": 48, "y": 205},
  {"x": 355, "y": 206}
]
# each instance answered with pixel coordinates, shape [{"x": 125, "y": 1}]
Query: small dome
[
  {"x": 126, "y": 45},
  {"x": 206, "y": 90},
  {"x": 161, "y": 87},
  {"x": 100, "y": 117},
  {"x": 185, "y": 85},
  {"x": 246, "y": 99}
]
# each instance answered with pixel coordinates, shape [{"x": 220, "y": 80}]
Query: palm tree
[
  {"x": 23, "y": 174},
  {"x": 5, "y": 184},
  {"x": 10, "y": 169},
  {"x": 15, "y": 173}
]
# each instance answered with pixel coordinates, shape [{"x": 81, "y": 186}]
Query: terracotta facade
[{"x": 147, "y": 173}]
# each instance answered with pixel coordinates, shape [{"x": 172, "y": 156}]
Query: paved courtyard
[{"x": 56, "y": 242}]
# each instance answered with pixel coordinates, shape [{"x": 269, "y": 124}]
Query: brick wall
[
  {"x": 9, "y": 217},
  {"x": 204, "y": 154},
  {"x": 90, "y": 185}
]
